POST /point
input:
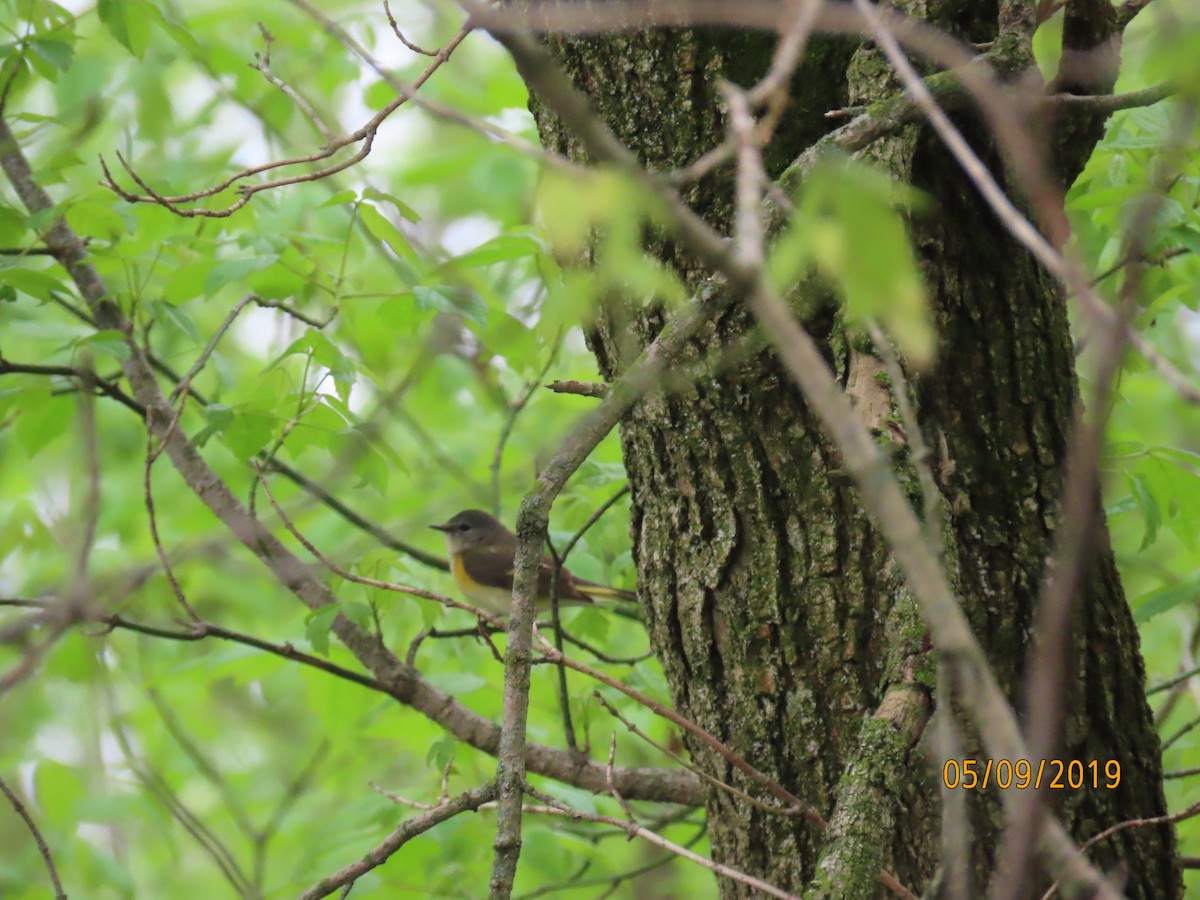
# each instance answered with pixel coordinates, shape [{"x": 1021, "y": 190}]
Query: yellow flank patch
[
  {"x": 459, "y": 571},
  {"x": 494, "y": 600}
]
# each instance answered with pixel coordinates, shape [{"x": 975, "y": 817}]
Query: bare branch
[
  {"x": 555, "y": 806},
  {"x": 405, "y": 41},
  {"x": 510, "y": 421},
  {"x": 480, "y": 126},
  {"x": 731, "y": 756},
  {"x": 1171, "y": 819},
  {"x": 1128, "y": 10},
  {"x": 582, "y": 388},
  {"x": 262, "y": 64},
  {"x": 700, "y": 773},
  {"x": 365, "y": 136},
  {"x": 183, "y": 386},
  {"x": 1094, "y": 104},
  {"x": 107, "y": 388},
  {"x": 20, "y": 810},
  {"x": 468, "y": 801}
]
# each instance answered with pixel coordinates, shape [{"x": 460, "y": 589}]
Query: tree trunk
[{"x": 781, "y": 622}]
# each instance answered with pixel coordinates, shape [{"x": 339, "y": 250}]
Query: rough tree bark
[{"x": 772, "y": 603}]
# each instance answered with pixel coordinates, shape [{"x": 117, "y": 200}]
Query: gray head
[{"x": 472, "y": 528}]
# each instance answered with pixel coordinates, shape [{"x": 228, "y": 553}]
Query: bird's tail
[{"x": 603, "y": 591}]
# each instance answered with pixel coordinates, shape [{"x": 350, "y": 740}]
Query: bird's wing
[{"x": 495, "y": 570}]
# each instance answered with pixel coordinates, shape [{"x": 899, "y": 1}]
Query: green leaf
[
  {"x": 1156, "y": 602},
  {"x": 572, "y": 205},
  {"x": 1149, "y": 509},
  {"x": 40, "y": 422},
  {"x": 501, "y": 248},
  {"x": 451, "y": 300},
  {"x": 128, "y": 21},
  {"x": 37, "y": 284},
  {"x": 97, "y": 217},
  {"x": 402, "y": 209},
  {"x": 231, "y": 270},
  {"x": 111, "y": 342},
  {"x": 58, "y": 790},
  {"x": 340, "y": 198},
  {"x": 441, "y": 753},
  {"x": 358, "y": 613},
  {"x": 317, "y": 625},
  {"x": 247, "y": 432},
  {"x": 51, "y": 57},
  {"x": 858, "y": 240},
  {"x": 378, "y": 95},
  {"x": 13, "y": 226},
  {"x": 382, "y": 229},
  {"x": 167, "y": 312}
]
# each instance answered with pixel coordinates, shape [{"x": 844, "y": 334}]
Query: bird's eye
[{"x": 464, "y": 527}]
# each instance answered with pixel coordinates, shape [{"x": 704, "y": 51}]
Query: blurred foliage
[{"x": 432, "y": 264}]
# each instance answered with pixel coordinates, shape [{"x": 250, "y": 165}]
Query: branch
[
  {"x": 1171, "y": 819},
  {"x": 510, "y": 422},
  {"x": 468, "y": 801},
  {"x": 365, "y": 136},
  {"x": 1092, "y": 104},
  {"x": 415, "y": 48},
  {"x": 532, "y": 520},
  {"x": 582, "y": 388},
  {"x": 20, "y": 810},
  {"x": 731, "y": 756},
  {"x": 557, "y": 807},
  {"x": 453, "y": 116},
  {"x": 107, "y": 388},
  {"x": 1128, "y": 11}
]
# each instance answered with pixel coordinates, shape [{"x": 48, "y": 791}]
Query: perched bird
[{"x": 481, "y": 560}]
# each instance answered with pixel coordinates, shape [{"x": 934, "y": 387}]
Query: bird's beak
[{"x": 440, "y": 527}]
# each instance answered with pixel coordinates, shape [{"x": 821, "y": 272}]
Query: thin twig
[
  {"x": 370, "y": 582},
  {"x": 20, "y": 810},
  {"x": 152, "y": 453},
  {"x": 160, "y": 788},
  {"x": 1171, "y": 682},
  {"x": 105, "y": 387},
  {"x": 731, "y": 756},
  {"x": 692, "y": 767},
  {"x": 635, "y": 830},
  {"x": 262, "y": 65},
  {"x": 405, "y": 41},
  {"x": 364, "y": 135},
  {"x": 1170, "y": 819},
  {"x": 510, "y": 422},
  {"x": 211, "y": 346}
]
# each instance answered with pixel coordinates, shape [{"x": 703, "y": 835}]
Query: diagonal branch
[
  {"x": 469, "y": 801},
  {"x": 19, "y": 808}
]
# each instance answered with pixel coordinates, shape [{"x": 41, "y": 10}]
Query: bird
[{"x": 482, "y": 551}]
